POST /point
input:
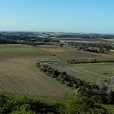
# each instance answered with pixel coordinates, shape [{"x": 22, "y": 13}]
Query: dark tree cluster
[
  {"x": 83, "y": 105},
  {"x": 74, "y": 61},
  {"x": 21, "y": 38},
  {"x": 85, "y": 36},
  {"x": 10, "y": 104},
  {"x": 17, "y": 105},
  {"x": 7, "y": 41}
]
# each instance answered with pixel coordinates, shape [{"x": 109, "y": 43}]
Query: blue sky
[{"x": 91, "y": 16}]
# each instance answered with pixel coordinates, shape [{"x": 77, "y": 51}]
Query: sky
[{"x": 87, "y": 16}]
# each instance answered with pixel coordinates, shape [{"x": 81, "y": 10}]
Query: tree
[
  {"x": 55, "y": 73},
  {"x": 24, "y": 109},
  {"x": 111, "y": 97},
  {"x": 5, "y": 104},
  {"x": 82, "y": 105}
]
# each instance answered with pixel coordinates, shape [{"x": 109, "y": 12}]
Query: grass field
[
  {"x": 91, "y": 72},
  {"x": 70, "y": 53},
  {"x": 19, "y": 74}
]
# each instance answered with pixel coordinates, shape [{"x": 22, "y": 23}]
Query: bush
[{"x": 82, "y": 105}]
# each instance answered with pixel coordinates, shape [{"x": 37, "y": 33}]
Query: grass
[
  {"x": 19, "y": 74},
  {"x": 91, "y": 72},
  {"x": 13, "y": 51},
  {"x": 70, "y": 53}
]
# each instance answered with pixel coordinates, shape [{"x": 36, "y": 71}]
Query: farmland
[
  {"x": 19, "y": 75},
  {"x": 89, "y": 72},
  {"x": 69, "y": 53}
]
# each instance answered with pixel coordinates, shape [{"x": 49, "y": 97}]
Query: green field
[
  {"x": 19, "y": 74},
  {"x": 69, "y": 53},
  {"x": 91, "y": 72}
]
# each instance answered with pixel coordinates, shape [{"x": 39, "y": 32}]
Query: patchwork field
[
  {"x": 19, "y": 74},
  {"x": 91, "y": 72}
]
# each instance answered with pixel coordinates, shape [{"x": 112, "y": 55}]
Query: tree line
[
  {"x": 99, "y": 93},
  {"x": 10, "y": 104},
  {"x": 74, "y": 61}
]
